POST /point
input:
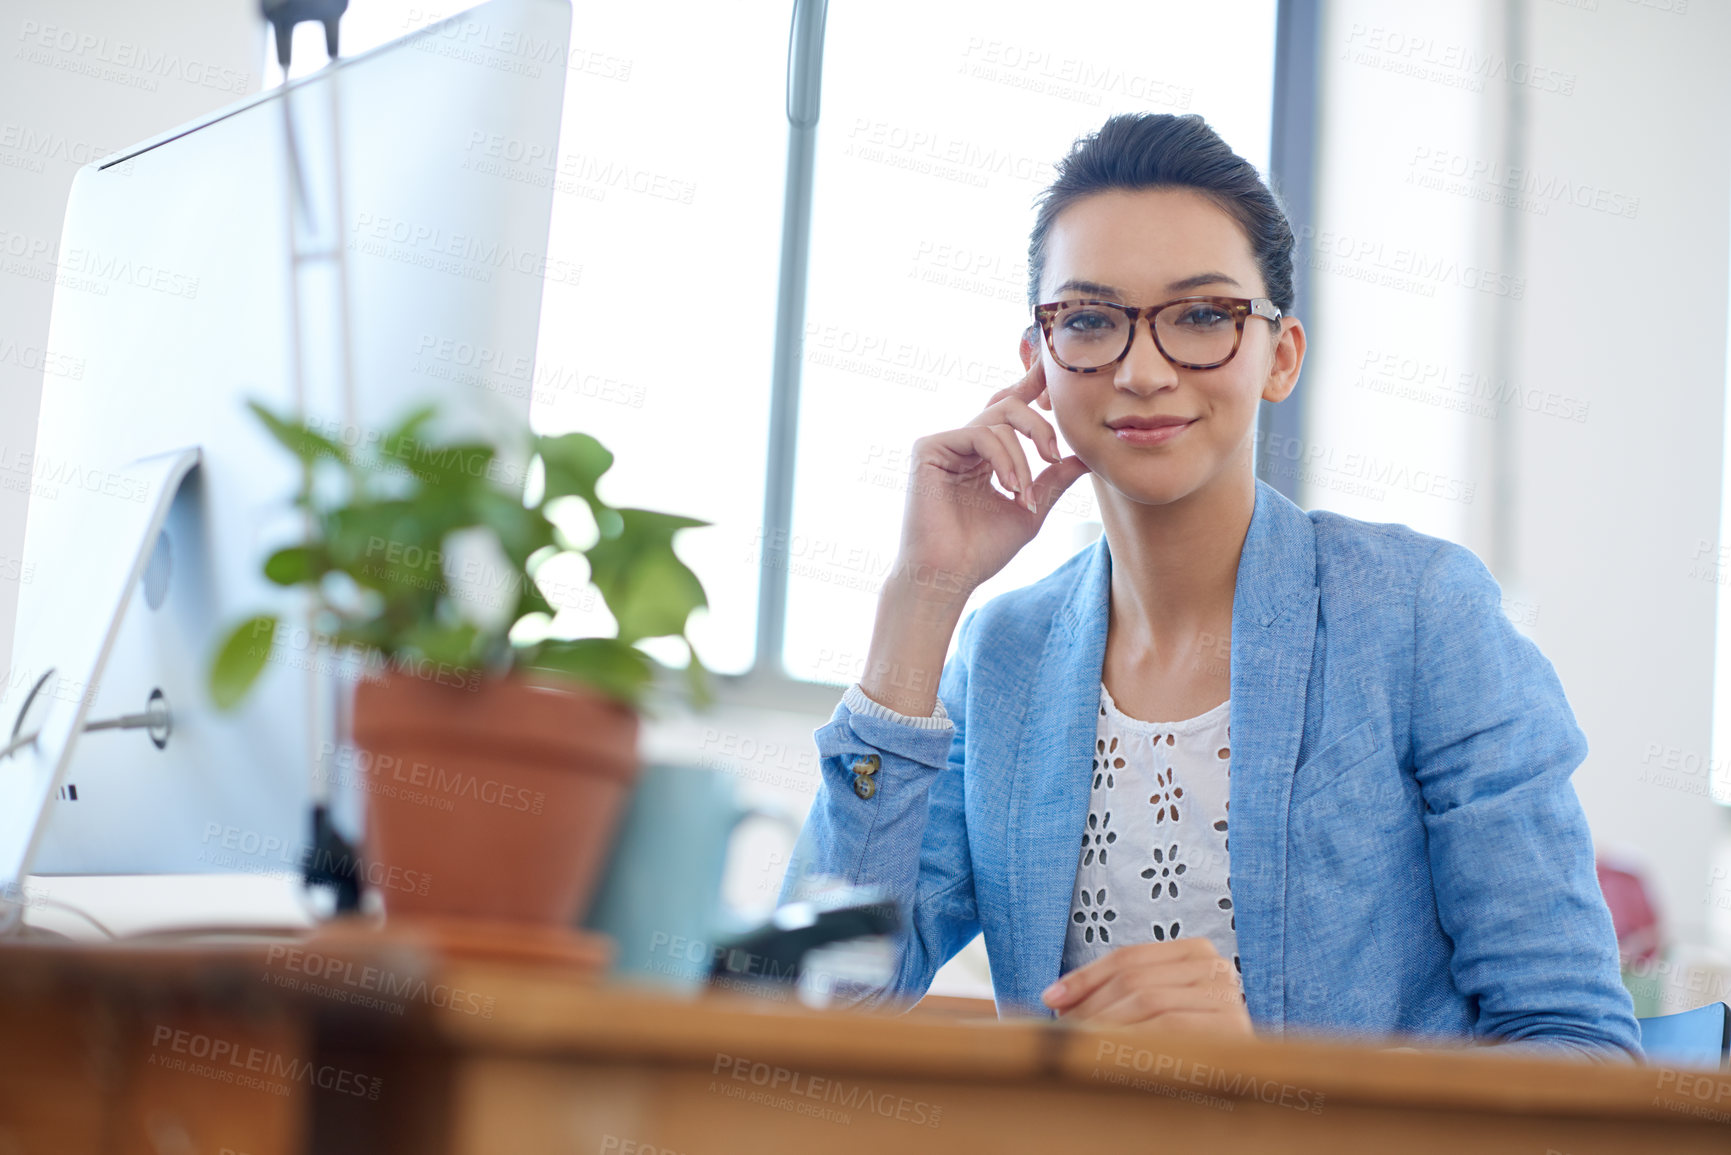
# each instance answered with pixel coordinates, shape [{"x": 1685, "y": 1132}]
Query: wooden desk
[{"x": 260, "y": 1050}]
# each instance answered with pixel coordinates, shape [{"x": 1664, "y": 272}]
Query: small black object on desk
[{"x": 775, "y": 953}]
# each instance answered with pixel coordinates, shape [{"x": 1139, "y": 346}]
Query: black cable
[{"x": 334, "y": 862}]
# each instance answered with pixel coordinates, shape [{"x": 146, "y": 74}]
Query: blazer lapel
[
  {"x": 1273, "y": 636},
  {"x": 1049, "y": 798}
]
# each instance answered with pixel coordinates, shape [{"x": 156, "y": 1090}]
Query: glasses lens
[
  {"x": 1196, "y": 332},
  {"x": 1088, "y": 336}
]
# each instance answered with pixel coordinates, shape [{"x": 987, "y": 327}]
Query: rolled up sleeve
[
  {"x": 904, "y": 830},
  {"x": 1494, "y": 746}
]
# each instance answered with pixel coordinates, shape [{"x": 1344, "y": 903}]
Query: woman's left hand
[{"x": 1182, "y": 983}]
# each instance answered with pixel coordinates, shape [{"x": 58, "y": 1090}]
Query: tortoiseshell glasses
[{"x": 1190, "y": 332}]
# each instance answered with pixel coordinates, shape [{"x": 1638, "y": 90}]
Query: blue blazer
[{"x": 1407, "y": 854}]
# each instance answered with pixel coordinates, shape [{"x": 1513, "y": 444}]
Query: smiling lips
[{"x": 1148, "y": 430}]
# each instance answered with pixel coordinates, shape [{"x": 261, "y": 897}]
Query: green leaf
[
  {"x": 530, "y": 600},
  {"x": 296, "y": 564},
  {"x": 378, "y": 538},
  {"x": 299, "y": 440},
  {"x": 657, "y": 599},
  {"x": 697, "y": 681},
  {"x": 460, "y": 465},
  {"x": 454, "y": 645},
  {"x": 642, "y": 534},
  {"x": 409, "y": 428},
  {"x": 661, "y": 525},
  {"x": 648, "y": 589},
  {"x": 374, "y": 635},
  {"x": 373, "y": 558},
  {"x": 520, "y": 530},
  {"x": 241, "y": 659},
  {"x": 574, "y": 463},
  {"x": 619, "y": 670}
]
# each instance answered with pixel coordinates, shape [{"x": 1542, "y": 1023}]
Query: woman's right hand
[{"x": 957, "y": 530}]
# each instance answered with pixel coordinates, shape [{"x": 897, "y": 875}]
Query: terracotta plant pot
[{"x": 497, "y": 803}]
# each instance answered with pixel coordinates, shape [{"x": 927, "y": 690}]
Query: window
[
  {"x": 671, "y": 160},
  {"x": 931, "y": 148},
  {"x": 664, "y": 345},
  {"x": 938, "y": 127}
]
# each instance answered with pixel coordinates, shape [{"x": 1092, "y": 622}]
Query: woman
[{"x": 1361, "y": 819}]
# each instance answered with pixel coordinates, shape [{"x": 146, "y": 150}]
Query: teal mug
[{"x": 660, "y": 900}]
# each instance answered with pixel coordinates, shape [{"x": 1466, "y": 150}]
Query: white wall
[
  {"x": 1576, "y": 153},
  {"x": 80, "y": 79},
  {"x": 1608, "y": 514}
]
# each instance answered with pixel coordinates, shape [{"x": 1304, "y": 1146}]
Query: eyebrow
[{"x": 1095, "y": 288}]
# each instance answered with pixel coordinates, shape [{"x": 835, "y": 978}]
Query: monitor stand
[{"x": 102, "y": 548}]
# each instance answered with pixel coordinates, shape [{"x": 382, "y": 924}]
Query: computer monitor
[{"x": 156, "y": 493}]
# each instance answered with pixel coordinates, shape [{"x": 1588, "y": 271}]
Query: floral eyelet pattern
[
  {"x": 1166, "y": 872},
  {"x": 1153, "y": 862},
  {"x": 1166, "y": 794},
  {"x": 1095, "y": 917},
  {"x": 1098, "y": 840}
]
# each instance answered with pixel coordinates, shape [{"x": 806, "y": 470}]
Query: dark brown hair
[{"x": 1134, "y": 151}]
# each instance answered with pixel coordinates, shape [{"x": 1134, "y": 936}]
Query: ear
[
  {"x": 1029, "y": 350},
  {"x": 1288, "y": 359}
]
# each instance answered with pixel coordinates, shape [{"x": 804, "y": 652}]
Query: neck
[{"x": 1175, "y": 566}]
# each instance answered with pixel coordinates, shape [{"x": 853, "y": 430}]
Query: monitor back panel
[{"x": 173, "y": 300}]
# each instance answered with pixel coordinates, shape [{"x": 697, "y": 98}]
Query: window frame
[{"x": 1292, "y": 169}]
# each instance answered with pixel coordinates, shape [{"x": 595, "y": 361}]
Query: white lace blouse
[{"x": 1153, "y": 860}]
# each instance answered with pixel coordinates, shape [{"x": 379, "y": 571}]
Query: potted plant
[{"x": 496, "y": 754}]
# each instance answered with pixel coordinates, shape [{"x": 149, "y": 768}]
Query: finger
[
  {"x": 1014, "y": 412},
  {"x": 1072, "y": 988},
  {"x": 1139, "y": 995},
  {"x": 1149, "y": 1003},
  {"x": 1010, "y": 390},
  {"x": 1032, "y": 384},
  {"x": 1084, "y": 980},
  {"x": 1231, "y": 1022},
  {"x": 1184, "y": 975},
  {"x": 1023, "y": 483},
  {"x": 961, "y": 451},
  {"x": 1054, "y": 480}
]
